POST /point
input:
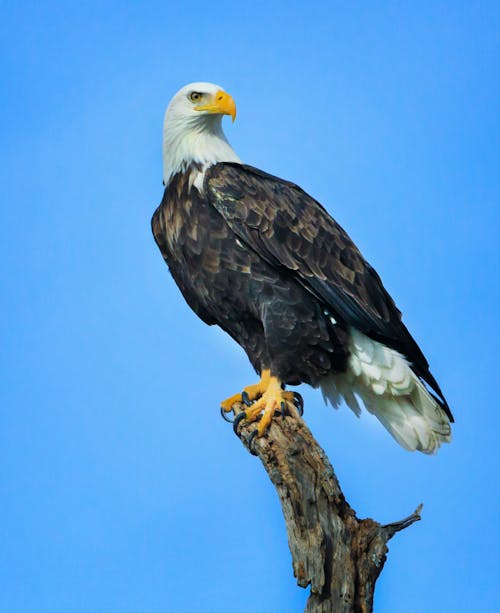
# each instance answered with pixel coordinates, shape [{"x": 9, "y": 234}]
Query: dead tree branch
[{"x": 337, "y": 554}]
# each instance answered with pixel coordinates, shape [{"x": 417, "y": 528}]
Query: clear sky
[{"x": 121, "y": 488}]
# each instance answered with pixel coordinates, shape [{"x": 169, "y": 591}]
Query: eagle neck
[{"x": 197, "y": 144}]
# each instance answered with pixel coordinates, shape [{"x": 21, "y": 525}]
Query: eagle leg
[{"x": 249, "y": 393}]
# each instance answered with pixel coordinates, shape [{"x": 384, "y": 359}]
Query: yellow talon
[
  {"x": 268, "y": 395},
  {"x": 253, "y": 392}
]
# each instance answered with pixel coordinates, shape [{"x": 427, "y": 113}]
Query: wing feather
[{"x": 292, "y": 231}]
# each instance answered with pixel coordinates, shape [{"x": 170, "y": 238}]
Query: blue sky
[{"x": 121, "y": 488}]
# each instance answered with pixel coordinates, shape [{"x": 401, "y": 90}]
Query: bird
[{"x": 262, "y": 259}]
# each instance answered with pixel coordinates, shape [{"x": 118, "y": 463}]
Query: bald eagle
[{"x": 263, "y": 260}]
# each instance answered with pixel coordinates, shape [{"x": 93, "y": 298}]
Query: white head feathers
[{"x": 192, "y": 129}]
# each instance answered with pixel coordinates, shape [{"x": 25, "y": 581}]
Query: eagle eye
[{"x": 195, "y": 96}]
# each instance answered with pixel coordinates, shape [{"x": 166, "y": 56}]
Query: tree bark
[{"x": 337, "y": 554}]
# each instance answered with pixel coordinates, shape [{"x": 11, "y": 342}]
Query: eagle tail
[{"x": 383, "y": 379}]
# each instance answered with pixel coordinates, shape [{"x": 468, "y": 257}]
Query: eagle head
[{"x": 192, "y": 129}]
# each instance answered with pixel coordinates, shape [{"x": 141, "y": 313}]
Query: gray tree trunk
[{"x": 337, "y": 554}]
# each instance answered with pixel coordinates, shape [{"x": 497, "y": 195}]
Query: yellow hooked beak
[{"x": 222, "y": 104}]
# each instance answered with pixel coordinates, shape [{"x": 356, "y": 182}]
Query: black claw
[
  {"x": 283, "y": 409},
  {"x": 298, "y": 401},
  {"x": 251, "y": 440},
  {"x": 225, "y": 416},
  {"x": 245, "y": 399},
  {"x": 237, "y": 420}
]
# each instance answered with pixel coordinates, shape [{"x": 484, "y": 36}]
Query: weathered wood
[{"x": 337, "y": 554}]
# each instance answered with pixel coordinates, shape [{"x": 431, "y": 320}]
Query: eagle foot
[
  {"x": 274, "y": 401},
  {"x": 249, "y": 393},
  {"x": 244, "y": 417},
  {"x": 297, "y": 400},
  {"x": 263, "y": 401}
]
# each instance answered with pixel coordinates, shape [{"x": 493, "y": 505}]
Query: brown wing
[{"x": 291, "y": 230}]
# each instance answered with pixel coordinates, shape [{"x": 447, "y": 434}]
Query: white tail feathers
[{"x": 382, "y": 378}]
